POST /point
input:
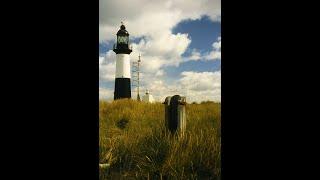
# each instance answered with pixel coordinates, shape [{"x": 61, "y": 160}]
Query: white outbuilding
[{"x": 148, "y": 97}]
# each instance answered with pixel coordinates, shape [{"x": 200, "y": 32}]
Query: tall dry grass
[{"x": 136, "y": 145}]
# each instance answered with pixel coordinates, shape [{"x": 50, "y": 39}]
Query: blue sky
[
  {"x": 181, "y": 56},
  {"x": 203, "y": 33}
]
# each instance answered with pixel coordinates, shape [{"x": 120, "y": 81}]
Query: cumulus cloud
[
  {"x": 196, "y": 86},
  {"x": 201, "y": 86},
  {"x": 164, "y": 50},
  {"x": 107, "y": 67},
  {"x": 151, "y": 18}
]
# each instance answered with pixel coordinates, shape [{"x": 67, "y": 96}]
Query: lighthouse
[{"x": 122, "y": 88}]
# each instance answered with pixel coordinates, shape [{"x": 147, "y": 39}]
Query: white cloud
[
  {"x": 159, "y": 73},
  {"x": 151, "y": 18},
  {"x": 215, "y": 54},
  {"x": 195, "y": 56},
  {"x": 196, "y": 86},
  {"x": 105, "y": 93},
  {"x": 200, "y": 80},
  {"x": 107, "y": 67},
  {"x": 164, "y": 50},
  {"x": 201, "y": 86}
]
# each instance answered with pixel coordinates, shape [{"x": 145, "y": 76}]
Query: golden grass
[{"x": 134, "y": 141}]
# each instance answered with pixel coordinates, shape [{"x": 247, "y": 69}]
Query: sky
[{"x": 179, "y": 42}]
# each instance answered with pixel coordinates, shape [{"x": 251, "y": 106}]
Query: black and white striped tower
[{"x": 122, "y": 88}]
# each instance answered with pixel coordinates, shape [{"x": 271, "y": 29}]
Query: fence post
[{"x": 175, "y": 114}]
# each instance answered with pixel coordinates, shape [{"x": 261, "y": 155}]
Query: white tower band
[
  {"x": 122, "y": 88},
  {"x": 123, "y": 66}
]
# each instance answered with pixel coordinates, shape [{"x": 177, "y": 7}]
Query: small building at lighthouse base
[{"x": 148, "y": 97}]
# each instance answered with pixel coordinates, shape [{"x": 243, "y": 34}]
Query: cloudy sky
[{"x": 179, "y": 42}]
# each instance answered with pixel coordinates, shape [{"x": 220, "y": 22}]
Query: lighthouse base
[{"x": 122, "y": 88}]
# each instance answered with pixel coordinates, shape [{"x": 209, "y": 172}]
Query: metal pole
[{"x": 138, "y": 96}]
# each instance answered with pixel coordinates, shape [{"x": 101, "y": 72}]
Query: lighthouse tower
[{"x": 122, "y": 88}]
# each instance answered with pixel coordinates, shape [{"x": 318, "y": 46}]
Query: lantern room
[{"x": 122, "y": 44}]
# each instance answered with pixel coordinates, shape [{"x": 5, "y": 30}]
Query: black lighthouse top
[{"x": 122, "y": 45}]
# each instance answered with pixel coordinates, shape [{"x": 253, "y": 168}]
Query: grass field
[{"x": 136, "y": 144}]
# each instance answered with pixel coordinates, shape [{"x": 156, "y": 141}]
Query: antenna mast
[{"x": 136, "y": 76}]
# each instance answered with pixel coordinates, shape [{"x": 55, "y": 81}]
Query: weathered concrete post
[{"x": 175, "y": 114}]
